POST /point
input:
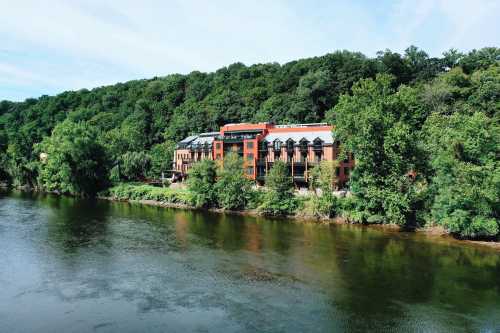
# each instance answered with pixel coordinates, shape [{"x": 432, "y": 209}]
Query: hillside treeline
[{"x": 424, "y": 130}]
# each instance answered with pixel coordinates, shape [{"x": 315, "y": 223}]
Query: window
[
  {"x": 250, "y": 156},
  {"x": 217, "y": 145},
  {"x": 250, "y": 171},
  {"x": 303, "y": 157},
  {"x": 250, "y": 145},
  {"x": 337, "y": 172},
  {"x": 346, "y": 172},
  {"x": 317, "y": 156},
  {"x": 218, "y": 156}
]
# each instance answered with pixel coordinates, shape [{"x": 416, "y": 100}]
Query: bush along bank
[{"x": 213, "y": 187}]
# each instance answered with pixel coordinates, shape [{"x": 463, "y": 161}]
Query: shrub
[
  {"x": 279, "y": 199},
  {"x": 148, "y": 192},
  {"x": 201, "y": 181},
  {"x": 232, "y": 188}
]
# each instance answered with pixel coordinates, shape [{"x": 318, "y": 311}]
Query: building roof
[
  {"x": 205, "y": 138},
  {"x": 201, "y": 139},
  {"x": 325, "y": 136},
  {"x": 188, "y": 139}
]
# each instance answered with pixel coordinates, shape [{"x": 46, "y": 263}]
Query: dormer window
[
  {"x": 289, "y": 145},
  {"x": 277, "y": 145},
  {"x": 318, "y": 144},
  {"x": 303, "y": 145}
]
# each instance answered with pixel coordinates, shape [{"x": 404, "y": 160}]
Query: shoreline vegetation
[
  {"x": 180, "y": 198},
  {"x": 424, "y": 133}
]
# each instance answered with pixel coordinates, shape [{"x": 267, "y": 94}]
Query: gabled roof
[{"x": 325, "y": 136}]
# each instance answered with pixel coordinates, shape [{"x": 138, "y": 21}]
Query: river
[{"x": 70, "y": 265}]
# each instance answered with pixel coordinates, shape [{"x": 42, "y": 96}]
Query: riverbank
[{"x": 180, "y": 198}]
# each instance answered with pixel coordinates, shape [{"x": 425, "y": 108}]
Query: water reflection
[{"x": 93, "y": 265}]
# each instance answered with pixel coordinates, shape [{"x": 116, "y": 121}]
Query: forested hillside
[{"x": 436, "y": 118}]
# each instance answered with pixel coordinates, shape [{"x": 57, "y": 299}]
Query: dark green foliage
[
  {"x": 233, "y": 189},
  {"x": 279, "y": 198},
  {"x": 201, "y": 182},
  {"x": 161, "y": 158},
  {"x": 405, "y": 117},
  {"x": 131, "y": 166}
]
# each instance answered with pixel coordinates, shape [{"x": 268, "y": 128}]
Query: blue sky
[{"x": 51, "y": 46}]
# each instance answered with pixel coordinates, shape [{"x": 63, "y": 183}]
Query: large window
[
  {"x": 250, "y": 145},
  {"x": 217, "y": 145},
  {"x": 250, "y": 157},
  {"x": 250, "y": 170}
]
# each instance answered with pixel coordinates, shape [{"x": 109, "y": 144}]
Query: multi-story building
[{"x": 301, "y": 146}]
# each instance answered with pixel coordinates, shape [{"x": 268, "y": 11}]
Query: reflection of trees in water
[
  {"x": 75, "y": 223},
  {"x": 382, "y": 272}
]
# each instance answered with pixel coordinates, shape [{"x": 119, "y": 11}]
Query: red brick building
[{"x": 301, "y": 146}]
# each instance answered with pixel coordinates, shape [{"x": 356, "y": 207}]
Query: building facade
[{"x": 301, "y": 146}]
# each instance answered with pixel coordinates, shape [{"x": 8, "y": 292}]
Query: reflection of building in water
[
  {"x": 301, "y": 146},
  {"x": 181, "y": 229},
  {"x": 253, "y": 235}
]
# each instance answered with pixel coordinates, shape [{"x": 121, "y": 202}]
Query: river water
[{"x": 70, "y": 265}]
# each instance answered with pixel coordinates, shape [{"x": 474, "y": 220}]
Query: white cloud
[{"x": 75, "y": 44}]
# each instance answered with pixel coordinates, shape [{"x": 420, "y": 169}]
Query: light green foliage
[
  {"x": 279, "y": 198},
  {"x": 323, "y": 178},
  {"x": 465, "y": 150},
  {"x": 377, "y": 124},
  {"x": 75, "y": 163},
  {"x": 201, "y": 183},
  {"x": 233, "y": 189},
  {"x": 148, "y": 192}
]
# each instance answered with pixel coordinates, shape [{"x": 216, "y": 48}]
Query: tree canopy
[{"x": 423, "y": 130}]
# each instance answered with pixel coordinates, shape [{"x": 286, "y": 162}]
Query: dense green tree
[
  {"x": 201, "y": 182},
  {"x": 322, "y": 179},
  {"x": 131, "y": 166},
  {"x": 233, "y": 189},
  {"x": 378, "y": 124},
  {"x": 465, "y": 150},
  {"x": 161, "y": 158},
  {"x": 71, "y": 160},
  {"x": 279, "y": 198}
]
